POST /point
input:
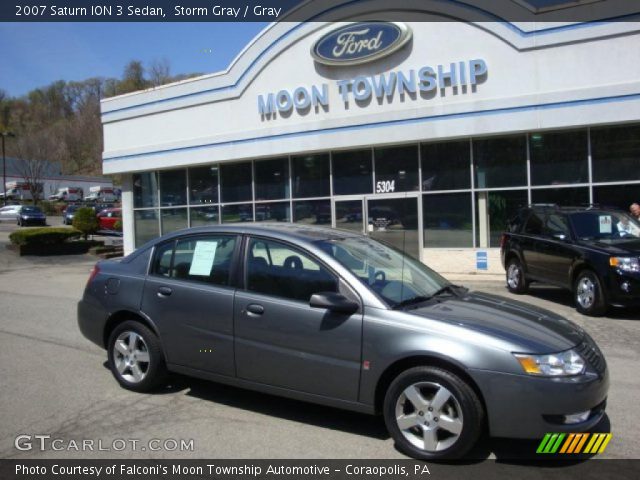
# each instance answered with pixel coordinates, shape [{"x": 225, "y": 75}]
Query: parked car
[
  {"x": 10, "y": 212},
  {"x": 68, "y": 214},
  {"x": 593, "y": 252},
  {"x": 108, "y": 218},
  {"x": 30, "y": 215},
  {"x": 336, "y": 318}
]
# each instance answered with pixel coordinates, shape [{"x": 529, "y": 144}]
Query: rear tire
[
  {"x": 432, "y": 414},
  {"x": 136, "y": 358},
  {"x": 516, "y": 280},
  {"x": 588, "y": 294}
]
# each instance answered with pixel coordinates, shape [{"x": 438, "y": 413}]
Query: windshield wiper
[
  {"x": 449, "y": 288},
  {"x": 412, "y": 301}
]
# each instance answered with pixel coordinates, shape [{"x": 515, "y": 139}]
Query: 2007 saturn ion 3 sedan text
[{"x": 339, "y": 319}]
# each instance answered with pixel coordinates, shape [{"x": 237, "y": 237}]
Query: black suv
[{"x": 593, "y": 251}]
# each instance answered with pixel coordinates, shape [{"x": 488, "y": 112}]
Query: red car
[{"x": 108, "y": 217}]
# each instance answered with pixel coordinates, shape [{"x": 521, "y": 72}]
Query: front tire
[
  {"x": 136, "y": 358},
  {"x": 432, "y": 414},
  {"x": 588, "y": 294},
  {"x": 516, "y": 280}
]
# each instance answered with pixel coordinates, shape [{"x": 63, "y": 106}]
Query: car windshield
[
  {"x": 31, "y": 210},
  {"x": 395, "y": 277},
  {"x": 604, "y": 225}
]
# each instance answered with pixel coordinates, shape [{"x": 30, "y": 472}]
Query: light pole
[{"x": 4, "y": 167}]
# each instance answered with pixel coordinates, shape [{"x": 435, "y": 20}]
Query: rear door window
[
  {"x": 205, "y": 259},
  {"x": 534, "y": 224}
]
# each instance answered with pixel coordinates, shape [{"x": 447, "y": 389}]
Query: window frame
[
  {"x": 233, "y": 270},
  {"x": 341, "y": 283}
]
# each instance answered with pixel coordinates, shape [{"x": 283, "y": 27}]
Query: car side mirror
[{"x": 334, "y": 302}]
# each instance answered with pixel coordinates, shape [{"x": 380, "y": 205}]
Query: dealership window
[
  {"x": 559, "y": 157},
  {"x": 352, "y": 173},
  {"x": 173, "y": 187},
  {"x": 312, "y": 212},
  {"x": 235, "y": 182},
  {"x": 447, "y": 220},
  {"x": 173, "y": 219},
  {"x": 145, "y": 225},
  {"x": 615, "y": 153},
  {"x": 237, "y": 213},
  {"x": 618, "y": 196},
  {"x": 396, "y": 169},
  {"x": 202, "y": 216},
  {"x": 272, "y": 179},
  {"x": 310, "y": 176},
  {"x": 145, "y": 190},
  {"x": 561, "y": 196},
  {"x": 203, "y": 185},
  {"x": 445, "y": 165},
  {"x": 494, "y": 209},
  {"x": 273, "y": 212},
  {"x": 500, "y": 161}
]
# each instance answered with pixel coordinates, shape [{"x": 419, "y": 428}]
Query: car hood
[
  {"x": 621, "y": 246},
  {"x": 527, "y": 328}
]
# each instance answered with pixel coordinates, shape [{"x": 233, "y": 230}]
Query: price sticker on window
[
  {"x": 202, "y": 260},
  {"x": 605, "y": 224}
]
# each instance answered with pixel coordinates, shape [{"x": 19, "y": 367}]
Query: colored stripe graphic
[{"x": 597, "y": 442}]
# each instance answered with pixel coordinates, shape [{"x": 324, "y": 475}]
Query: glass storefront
[{"x": 461, "y": 192}]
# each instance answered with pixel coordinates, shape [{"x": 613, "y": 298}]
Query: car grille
[{"x": 592, "y": 354}]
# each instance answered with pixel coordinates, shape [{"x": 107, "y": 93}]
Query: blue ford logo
[{"x": 360, "y": 42}]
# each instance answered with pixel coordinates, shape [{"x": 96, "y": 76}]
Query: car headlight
[
  {"x": 626, "y": 264},
  {"x": 561, "y": 364}
]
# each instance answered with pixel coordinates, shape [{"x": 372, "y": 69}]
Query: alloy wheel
[
  {"x": 513, "y": 276},
  {"x": 585, "y": 293},
  {"x": 131, "y": 356},
  {"x": 429, "y": 416}
]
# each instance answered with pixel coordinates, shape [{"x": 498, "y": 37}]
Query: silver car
[{"x": 339, "y": 319}]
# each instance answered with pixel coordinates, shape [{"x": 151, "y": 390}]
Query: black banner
[
  {"x": 316, "y": 10},
  {"x": 315, "y": 469}
]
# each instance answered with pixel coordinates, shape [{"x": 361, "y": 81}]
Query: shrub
[
  {"x": 85, "y": 221},
  {"x": 43, "y": 236}
]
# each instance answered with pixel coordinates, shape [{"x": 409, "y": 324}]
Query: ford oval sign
[{"x": 360, "y": 42}]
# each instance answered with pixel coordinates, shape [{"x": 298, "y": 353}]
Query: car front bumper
[
  {"x": 521, "y": 406},
  {"x": 623, "y": 289}
]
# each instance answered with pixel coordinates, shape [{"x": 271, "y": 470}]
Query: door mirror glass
[{"x": 334, "y": 302}]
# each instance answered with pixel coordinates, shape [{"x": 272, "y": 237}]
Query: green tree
[{"x": 86, "y": 221}]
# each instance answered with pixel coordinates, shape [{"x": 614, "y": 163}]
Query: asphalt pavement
[{"x": 55, "y": 382}]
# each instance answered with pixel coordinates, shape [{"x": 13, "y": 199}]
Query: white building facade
[{"x": 428, "y": 135}]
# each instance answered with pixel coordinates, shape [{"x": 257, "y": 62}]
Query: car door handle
[
  {"x": 164, "y": 291},
  {"x": 255, "y": 309}
]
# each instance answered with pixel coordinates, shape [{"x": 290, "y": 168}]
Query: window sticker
[
  {"x": 203, "y": 256},
  {"x": 605, "y": 224}
]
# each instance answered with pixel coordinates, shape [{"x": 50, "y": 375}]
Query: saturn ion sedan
[{"x": 340, "y": 319}]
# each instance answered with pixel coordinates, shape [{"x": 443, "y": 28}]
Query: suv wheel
[
  {"x": 516, "y": 281},
  {"x": 588, "y": 294},
  {"x": 135, "y": 357},
  {"x": 432, "y": 414}
]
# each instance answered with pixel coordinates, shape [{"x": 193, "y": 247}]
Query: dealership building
[{"x": 428, "y": 135}]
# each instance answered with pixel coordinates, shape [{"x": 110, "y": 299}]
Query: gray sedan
[{"x": 339, "y": 319}]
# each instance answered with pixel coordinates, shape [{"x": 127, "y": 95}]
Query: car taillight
[
  {"x": 503, "y": 240},
  {"x": 94, "y": 272}
]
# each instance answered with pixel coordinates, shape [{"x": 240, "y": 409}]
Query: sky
[{"x": 37, "y": 54}]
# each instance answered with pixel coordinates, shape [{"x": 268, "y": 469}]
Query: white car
[{"x": 10, "y": 212}]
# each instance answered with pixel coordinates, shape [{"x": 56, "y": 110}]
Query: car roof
[{"x": 284, "y": 231}]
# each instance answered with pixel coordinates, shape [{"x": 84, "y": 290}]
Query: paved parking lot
[{"x": 55, "y": 382}]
